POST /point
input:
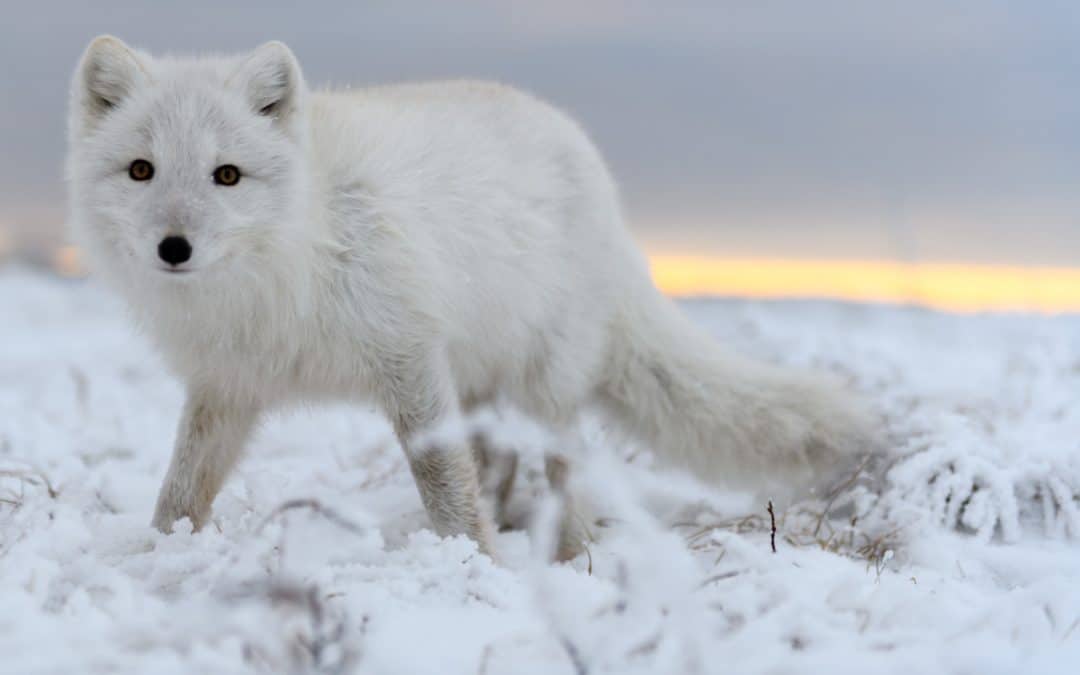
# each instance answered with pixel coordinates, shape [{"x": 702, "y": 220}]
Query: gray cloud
[{"x": 782, "y": 128}]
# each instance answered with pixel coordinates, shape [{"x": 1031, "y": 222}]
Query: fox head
[{"x": 185, "y": 169}]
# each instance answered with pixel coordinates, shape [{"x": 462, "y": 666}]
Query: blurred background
[{"x": 924, "y": 152}]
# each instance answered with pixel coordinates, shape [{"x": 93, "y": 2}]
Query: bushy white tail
[{"x": 724, "y": 417}]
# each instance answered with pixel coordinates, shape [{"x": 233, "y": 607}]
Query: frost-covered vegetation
[{"x": 956, "y": 551}]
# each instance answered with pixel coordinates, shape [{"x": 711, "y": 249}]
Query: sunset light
[{"x": 946, "y": 286}]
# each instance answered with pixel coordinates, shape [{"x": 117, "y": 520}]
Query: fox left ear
[{"x": 272, "y": 83}]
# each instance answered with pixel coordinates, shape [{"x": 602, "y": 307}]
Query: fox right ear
[{"x": 107, "y": 74}]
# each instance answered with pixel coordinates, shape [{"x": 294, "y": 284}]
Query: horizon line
[{"x": 949, "y": 286}]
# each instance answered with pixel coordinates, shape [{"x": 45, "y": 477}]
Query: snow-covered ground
[{"x": 957, "y": 553}]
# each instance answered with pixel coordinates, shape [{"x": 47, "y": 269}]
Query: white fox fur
[{"x": 432, "y": 247}]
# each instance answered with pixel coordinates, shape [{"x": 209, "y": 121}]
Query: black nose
[{"x": 174, "y": 250}]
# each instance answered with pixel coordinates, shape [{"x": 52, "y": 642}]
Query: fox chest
[{"x": 273, "y": 368}]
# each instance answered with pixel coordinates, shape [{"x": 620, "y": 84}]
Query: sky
[{"x": 914, "y": 132}]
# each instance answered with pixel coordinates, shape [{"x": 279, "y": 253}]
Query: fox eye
[
  {"x": 227, "y": 175},
  {"x": 141, "y": 170}
]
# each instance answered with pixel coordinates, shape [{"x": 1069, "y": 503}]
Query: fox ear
[
  {"x": 107, "y": 74},
  {"x": 271, "y": 81}
]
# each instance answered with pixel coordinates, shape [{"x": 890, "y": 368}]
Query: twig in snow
[
  {"x": 841, "y": 488},
  {"x": 325, "y": 649},
  {"x": 772, "y": 531},
  {"x": 575, "y": 655},
  {"x": 646, "y": 647},
  {"x": 33, "y": 477},
  {"x": 719, "y": 577},
  {"x": 1067, "y": 633},
  {"x": 316, "y": 506}
]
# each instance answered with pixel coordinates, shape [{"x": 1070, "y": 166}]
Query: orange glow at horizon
[
  {"x": 946, "y": 286},
  {"x": 67, "y": 262}
]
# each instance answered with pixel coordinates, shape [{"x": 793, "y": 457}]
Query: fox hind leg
[
  {"x": 450, "y": 490},
  {"x": 573, "y": 534},
  {"x": 498, "y": 473}
]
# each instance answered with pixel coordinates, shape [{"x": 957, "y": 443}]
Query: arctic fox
[{"x": 430, "y": 247}]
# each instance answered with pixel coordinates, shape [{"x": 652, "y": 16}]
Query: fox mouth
[{"x": 175, "y": 272}]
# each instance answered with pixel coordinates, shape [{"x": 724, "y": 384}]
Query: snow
[{"x": 963, "y": 557}]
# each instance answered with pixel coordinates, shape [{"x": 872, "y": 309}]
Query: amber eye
[
  {"x": 226, "y": 175},
  {"x": 141, "y": 169}
]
